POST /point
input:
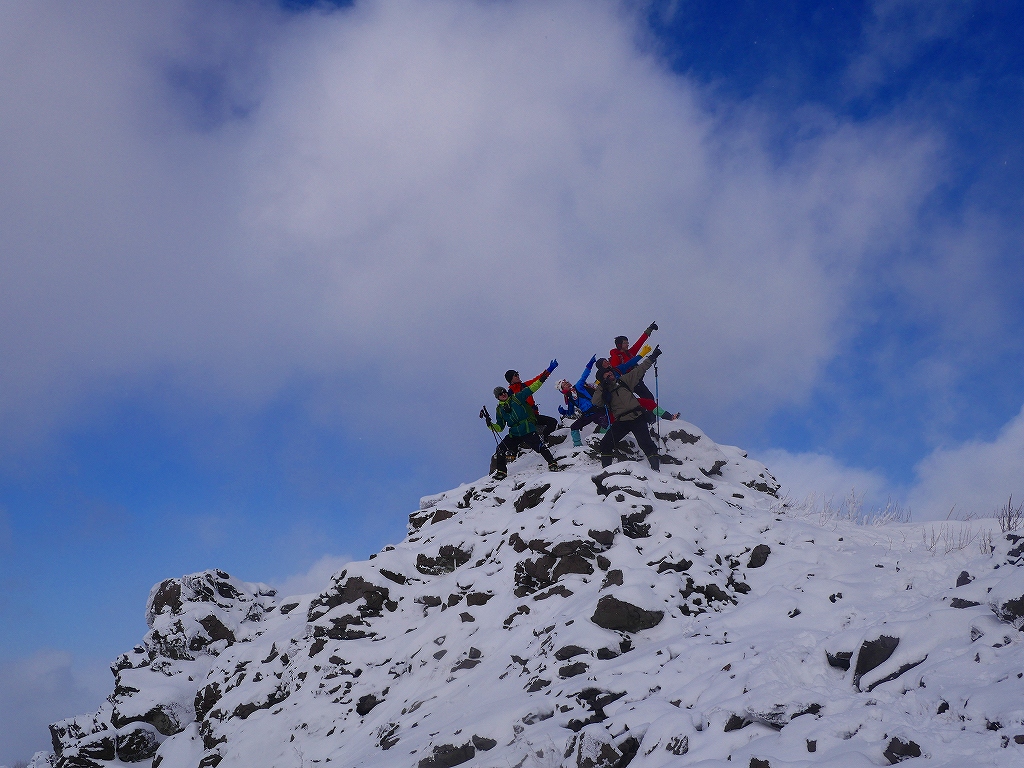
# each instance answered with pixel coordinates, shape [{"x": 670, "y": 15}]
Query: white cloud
[
  {"x": 974, "y": 478},
  {"x": 43, "y": 688},
  {"x": 824, "y": 477},
  {"x": 404, "y": 189},
  {"x": 316, "y": 579}
]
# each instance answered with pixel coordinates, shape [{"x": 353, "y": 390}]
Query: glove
[
  {"x": 656, "y": 353},
  {"x": 552, "y": 365},
  {"x": 651, "y": 328},
  {"x": 483, "y": 413},
  {"x": 562, "y": 411},
  {"x": 646, "y": 350},
  {"x": 592, "y": 361}
]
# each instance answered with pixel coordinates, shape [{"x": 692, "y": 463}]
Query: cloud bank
[{"x": 219, "y": 206}]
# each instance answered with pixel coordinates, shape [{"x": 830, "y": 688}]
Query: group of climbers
[{"x": 618, "y": 402}]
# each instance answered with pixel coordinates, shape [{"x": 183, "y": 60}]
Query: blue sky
[{"x": 263, "y": 263}]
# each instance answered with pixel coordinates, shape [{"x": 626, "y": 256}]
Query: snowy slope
[{"x": 592, "y": 618}]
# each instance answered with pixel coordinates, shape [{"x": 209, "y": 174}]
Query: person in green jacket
[{"x": 513, "y": 412}]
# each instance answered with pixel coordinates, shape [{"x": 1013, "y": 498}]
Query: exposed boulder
[{"x": 621, "y": 616}]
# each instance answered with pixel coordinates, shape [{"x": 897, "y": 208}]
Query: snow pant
[
  {"x": 641, "y": 432},
  {"x": 546, "y": 424},
  {"x": 594, "y": 416},
  {"x": 510, "y": 446}
]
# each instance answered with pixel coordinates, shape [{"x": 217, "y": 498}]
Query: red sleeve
[{"x": 528, "y": 383}]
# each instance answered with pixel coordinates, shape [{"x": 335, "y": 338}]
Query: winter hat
[
  {"x": 510, "y": 374},
  {"x": 499, "y": 391}
]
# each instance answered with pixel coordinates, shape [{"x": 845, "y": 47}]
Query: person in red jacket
[
  {"x": 624, "y": 353},
  {"x": 545, "y": 424}
]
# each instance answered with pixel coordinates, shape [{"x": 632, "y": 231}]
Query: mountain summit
[{"x": 595, "y": 619}]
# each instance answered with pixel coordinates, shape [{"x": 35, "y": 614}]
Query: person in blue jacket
[{"x": 577, "y": 402}]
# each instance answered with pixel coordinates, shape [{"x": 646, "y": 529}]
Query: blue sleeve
[
  {"x": 584, "y": 377},
  {"x": 628, "y": 365}
]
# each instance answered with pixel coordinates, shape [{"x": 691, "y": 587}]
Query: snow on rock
[{"x": 592, "y": 618}]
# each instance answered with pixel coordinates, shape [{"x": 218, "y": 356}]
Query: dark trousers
[
  {"x": 510, "y": 446},
  {"x": 593, "y": 416},
  {"x": 641, "y": 432},
  {"x": 546, "y": 424}
]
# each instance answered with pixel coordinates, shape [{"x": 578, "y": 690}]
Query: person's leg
[
  {"x": 546, "y": 424},
  {"x": 642, "y": 434},
  {"x": 535, "y": 442},
  {"x": 576, "y": 426},
  {"x": 611, "y": 437}
]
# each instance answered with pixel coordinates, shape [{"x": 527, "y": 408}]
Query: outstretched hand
[
  {"x": 592, "y": 361},
  {"x": 651, "y": 328},
  {"x": 656, "y": 352},
  {"x": 552, "y": 365}
]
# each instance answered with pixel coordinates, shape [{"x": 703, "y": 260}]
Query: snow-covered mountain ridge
[{"x": 592, "y": 618}]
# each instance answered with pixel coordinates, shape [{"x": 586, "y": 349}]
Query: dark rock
[
  {"x": 610, "y": 487},
  {"x": 210, "y": 761},
  {"x": 619, "y": 615},
  {"x": 478, "y": 598},
  {"x": 604, "y": 538},
  {"x": 682, "y": 436},
  {"x": 901, "y": 750},
  {"x": 466, "y": 617},
  {"x": 216, "y": 630},
  {"x": 669, "y": 495},
  {"x": 574, "y": 547},
  {"x": 604, "y": 654},
  {"x": 353, "y": 590},
  {"x": 558, "y": 589},
  {"x": 633, "y": 525},
  {"x": 517, "y": 543},
  {"x": 448, "y": 755},
  {"x": 1011, "y": 611},
  {"x": 388, "y": 737},
  {"x": 682, "y": 565},
  {"x": 735, "y": 722},
  {"x": 839, "y": 660},
  {"x": 812, "y": 745},
  {"x": 392, "y": 576},
  {"x": 958, "y": 602},
  {"x": 678, "y": 745},
  {"x": 537, "y": 685},
  {"x": 448, "y": 558},
  {"x": 943, "y": 707},
  {"x": 566, "y": 652},
  {"x": 276, "y": 696},
  {"x": 571, "y": 670},
  {"x": 758, "y": 763},
  {"x": 603, "y": 562},
  {"x": 716, "y": 469},
  {"x": 531, "y": 498},
  {"x": 168, "y": 595},
  {"x": 288, "y": 608},
  {"x": 963, "y": 579},
  {"x": 206, "y": 699},
  {"x": 441, "y": 514},
  {"x": 161, "y": 718},
  {"x": 483, "y": 743},
  {"x": 759, "y": 556},
  {"x": 573, "y": 563},
  {"x": 613, "y": 577},
  {"x": 367, "y": 703},
  {"x": 465, "y": 664},
  {"x": 873, "y": 653},
  {"x": 135, "y": 746}
]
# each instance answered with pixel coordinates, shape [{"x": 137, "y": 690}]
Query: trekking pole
[
  {"x": 487, "y": 418},
  {"x": 657, "y": 403}
]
